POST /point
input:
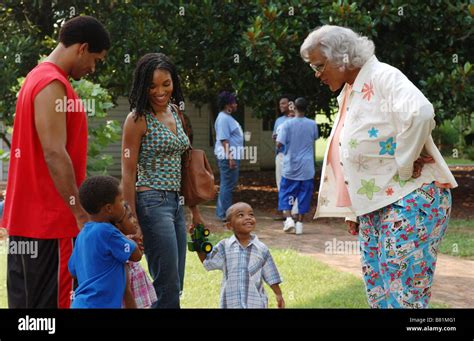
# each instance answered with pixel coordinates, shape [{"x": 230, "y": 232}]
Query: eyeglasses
[{"x": 319, "y": 69}]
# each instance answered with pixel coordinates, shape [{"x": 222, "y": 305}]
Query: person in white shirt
[{"x": 382, "y": 170}]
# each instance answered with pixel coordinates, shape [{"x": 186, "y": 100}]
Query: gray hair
[{"x": 340, "y": 45}]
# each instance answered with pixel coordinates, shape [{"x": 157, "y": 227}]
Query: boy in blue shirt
[
  {"x": 101, "y": 250},
  {"x": 298, "y": 136}
]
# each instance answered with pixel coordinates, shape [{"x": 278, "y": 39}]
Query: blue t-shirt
[
  {"x": 298, "y": 136},
  {"x": 227, "y": 128},
  {"x": 276, "y": 129},
  {"x": 98, "y": 263}
]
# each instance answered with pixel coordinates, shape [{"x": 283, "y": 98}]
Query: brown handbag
[{"x": 197, "y": 178}]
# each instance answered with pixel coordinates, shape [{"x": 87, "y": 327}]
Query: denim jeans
[
  {"x": 162, "y": 220},
  {"x": 229, "y": 179}
]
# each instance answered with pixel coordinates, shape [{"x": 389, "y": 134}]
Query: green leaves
[
  {"x": 252, "y": 46},
  {"x": 100, "y": 134},
  {"x": 467, "y": 67}
]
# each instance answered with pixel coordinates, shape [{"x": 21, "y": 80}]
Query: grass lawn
[
  {"x": 459, "y": 239},
  {"x": 3, "y": 280},
  {"x": 307, "y": 283},
  {"x": 320, "y": 149},
  {"x": 457, "y": 161}
]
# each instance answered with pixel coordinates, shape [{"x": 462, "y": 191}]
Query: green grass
[
  {"x": 307, "y": 283},
  {"x": 3, "y": 280},
  {"x": 320, "y": 149},
  {"x": 459, "y": 239},
  {"x": 321, "y": 142},
  {"x": 457, "y": 161}
]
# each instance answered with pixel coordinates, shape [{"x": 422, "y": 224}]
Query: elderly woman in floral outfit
[{"x": 382, "y": 170}]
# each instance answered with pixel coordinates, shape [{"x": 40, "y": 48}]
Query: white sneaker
[
  {"x": 289, "y": 224},
  {"x": 299, "y": 227}
]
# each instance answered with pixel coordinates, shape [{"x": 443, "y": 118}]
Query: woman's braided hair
[{"x": 142, "y": 78}]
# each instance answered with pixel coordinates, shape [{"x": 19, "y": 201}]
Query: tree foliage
[{"x": 253, "y": 46}]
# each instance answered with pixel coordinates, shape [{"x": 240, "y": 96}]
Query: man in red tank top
[{"x": 48, "y": 158}]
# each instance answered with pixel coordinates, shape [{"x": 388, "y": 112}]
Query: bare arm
[
  {"x": 279, "y": 296},
  {"x": 136, "y": 255},
  {"x": 202, "y": 256},
  {"x": 51, "y": 128},
  {"x": 196, "y": 215},
  {"x": 131, "y": 141},
  {"x": 226, "y": 145},
  {"x": 228, "y": 154}
]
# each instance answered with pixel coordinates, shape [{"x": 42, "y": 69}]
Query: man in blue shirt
[
  {"x": 298, "y": 136},
  {"x": 228, "y": 150}
]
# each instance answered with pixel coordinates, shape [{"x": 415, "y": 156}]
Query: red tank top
[{"x": 33, "y": 206}]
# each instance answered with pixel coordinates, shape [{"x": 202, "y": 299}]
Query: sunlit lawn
[
  {"x": 307, "y": 283},
  {"x": 459, "y": 239}
]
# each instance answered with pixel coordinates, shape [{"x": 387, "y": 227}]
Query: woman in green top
[{"x": 152, "y": 145}]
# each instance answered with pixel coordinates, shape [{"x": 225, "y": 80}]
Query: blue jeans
[
  {"x": 162, "y": 220},
  {"x": 229, "y": 179}
]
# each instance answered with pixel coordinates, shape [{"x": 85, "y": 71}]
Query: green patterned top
[{"x": 159, "y": 159}]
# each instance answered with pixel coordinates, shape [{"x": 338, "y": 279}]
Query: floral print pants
[{"x": 399, "y": 245}]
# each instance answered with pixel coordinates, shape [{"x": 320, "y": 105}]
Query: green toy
[{"x": 199, "y": 241}]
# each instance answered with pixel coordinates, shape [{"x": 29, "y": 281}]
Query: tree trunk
[{"x": 5, "y": 139}]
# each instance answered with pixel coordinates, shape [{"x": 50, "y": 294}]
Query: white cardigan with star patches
[{"x": 388, "y": 123}]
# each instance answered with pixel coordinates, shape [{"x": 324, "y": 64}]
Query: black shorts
[{"x": 37, "y": 273}]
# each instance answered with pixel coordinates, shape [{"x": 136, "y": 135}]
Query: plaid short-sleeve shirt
[{"x": 244, "y": 271}]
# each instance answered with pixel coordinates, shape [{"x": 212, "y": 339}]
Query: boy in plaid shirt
[{"x": 245, "y": 261}]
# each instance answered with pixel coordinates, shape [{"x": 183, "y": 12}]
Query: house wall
[{"x": 201, "y": 120}]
